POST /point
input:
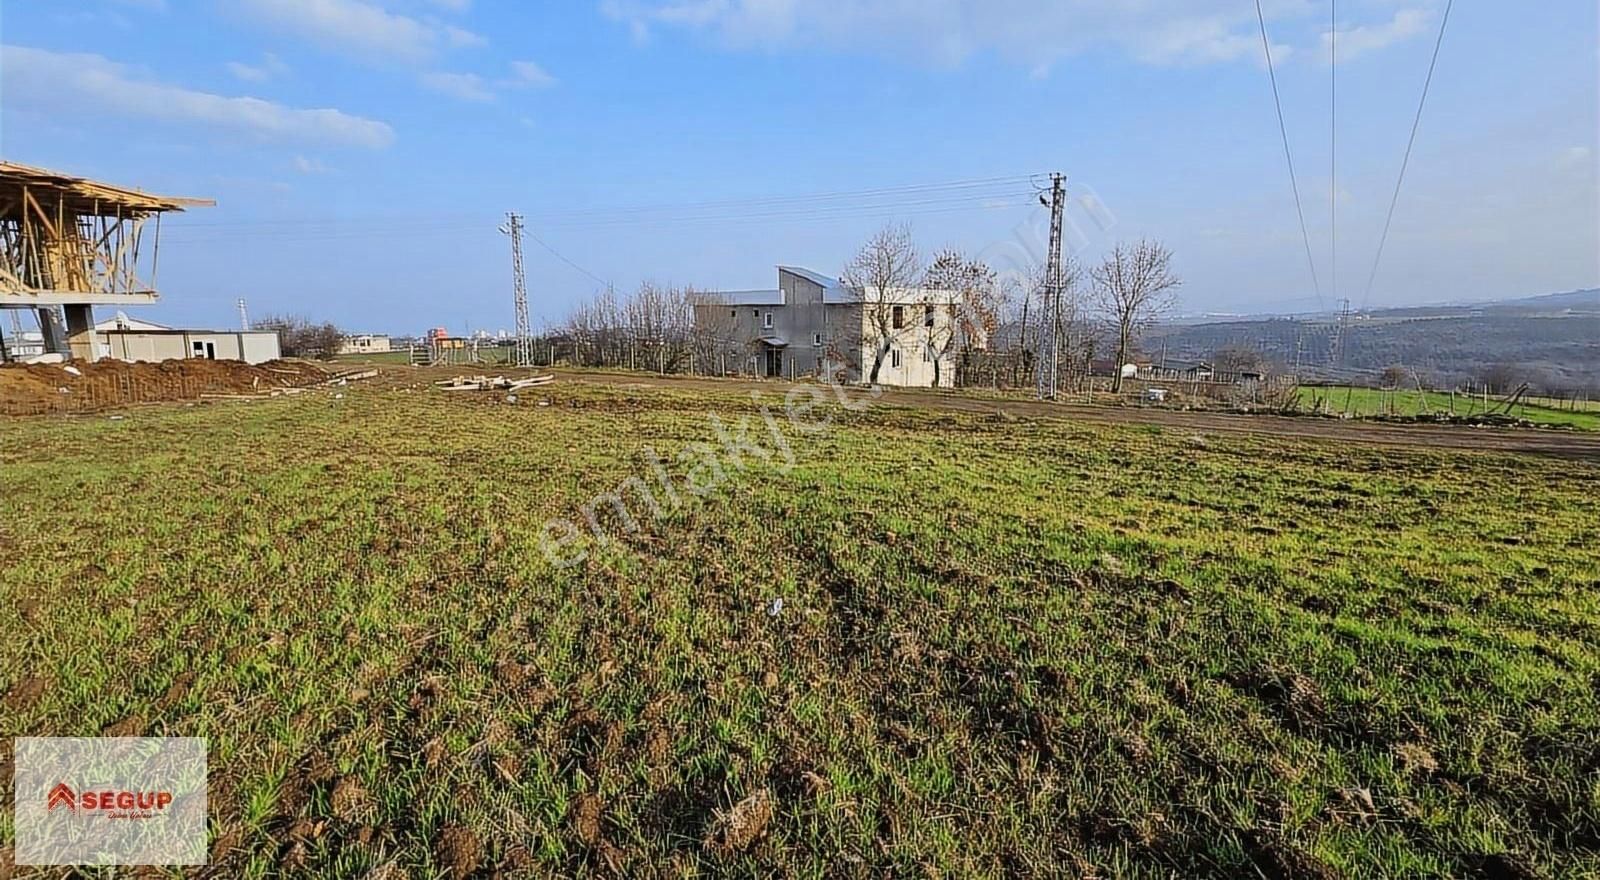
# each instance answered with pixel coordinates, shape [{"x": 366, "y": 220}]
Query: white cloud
[
  {"x": 65, "y": 83},
  {"x": 271, "y": 67},
  {"x": 306, "y": 165},
  {"x": 529, "y": 73},
  {"x": 465, "y": 86},
  {"x": 453, "y": 5},
  {"x": 1355, "y": 41},
  {"x": 1031, "y": 33},
  {"x": 1576, "y": 159},
  {"x": 359, "y": 27}
]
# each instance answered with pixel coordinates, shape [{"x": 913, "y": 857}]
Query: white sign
[{"x": 110, "y": 800}]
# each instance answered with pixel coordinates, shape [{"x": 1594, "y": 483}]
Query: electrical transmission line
[
  {"x": 1333, "y": 147},
  {"x": 1406, "y": 161},
  {"x": 513, "y": 228},
  {"x": 1288, "y": 155}
]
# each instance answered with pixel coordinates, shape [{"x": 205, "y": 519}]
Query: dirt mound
[{"x": 50, "y": 388}]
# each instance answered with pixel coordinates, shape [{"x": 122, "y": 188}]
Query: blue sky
[{"x": 362, "y": 152}]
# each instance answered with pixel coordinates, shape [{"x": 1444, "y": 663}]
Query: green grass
[
  {"x": 1006, "y": 647},
  {"x": 1375, "y": 402}
]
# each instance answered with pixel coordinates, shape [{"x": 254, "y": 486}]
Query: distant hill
[
  {"x": 1581, "y": 301},
  {"x": 1553, "y": 340}
]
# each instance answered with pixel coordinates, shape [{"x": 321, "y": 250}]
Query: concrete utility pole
[
  {"x": 513, "y": 228},
  {"x": 1053, "y": 283},
  {"x": 244, "y": 317}
]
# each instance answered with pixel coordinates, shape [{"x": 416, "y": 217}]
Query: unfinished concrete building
[{"x": 70, "y": 243}]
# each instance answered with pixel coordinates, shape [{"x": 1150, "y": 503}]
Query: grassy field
[
  {"x": 1373, "y": 402},
  {"x": 1005, "y": 647}
]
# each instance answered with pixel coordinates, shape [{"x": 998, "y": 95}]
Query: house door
[
  {"x": 774, "y": 362},
  {"x": 205, "y": 349}
]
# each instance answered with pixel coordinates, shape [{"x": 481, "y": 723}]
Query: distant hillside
[
  {"x": 1553, "y": 340},
  {"x": 1581, "y": 301}
]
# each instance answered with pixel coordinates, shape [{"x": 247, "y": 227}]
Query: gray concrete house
[{"x": 811, "y": 318}]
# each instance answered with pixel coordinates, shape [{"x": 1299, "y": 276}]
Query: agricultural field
[
  {"x": 1361, "y": 402},
  {"x": 896, "y": 642}
]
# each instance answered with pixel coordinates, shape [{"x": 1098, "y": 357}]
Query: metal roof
[{"x": 816, "y": 278}]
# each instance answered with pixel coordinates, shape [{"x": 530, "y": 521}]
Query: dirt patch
[
  {"x": 133, "y": 725},
  {"x": 586, "y": 818},
  {"x": 26, "y": 692},
  {"x": 350, "y": 800},
  {"x": 734, "y": 831},
  {"x": 27, "y": 389},
  {"x": 458, "y": 851}
]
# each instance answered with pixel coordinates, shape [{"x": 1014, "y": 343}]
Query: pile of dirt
[{"x": 27, "y": 389}]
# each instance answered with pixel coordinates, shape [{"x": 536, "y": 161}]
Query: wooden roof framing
[{"x": 79, "y": 195}]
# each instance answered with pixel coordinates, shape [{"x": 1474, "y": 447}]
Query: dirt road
[{"x": 1556, "y": 443}]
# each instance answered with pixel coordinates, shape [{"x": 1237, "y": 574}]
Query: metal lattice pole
[
  {"x": 1050, "y": 341},
  {"x": 524, "y": 349}
]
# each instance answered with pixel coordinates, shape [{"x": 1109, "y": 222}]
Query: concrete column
[
  {"x": 55, "y": 339},
  {"x": 80, "y": 331}
]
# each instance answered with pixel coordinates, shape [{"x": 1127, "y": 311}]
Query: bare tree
[
  {"x": 886, "y": 269},
  {"x": 299, "y": 337},
  {"x": 1134, "y": 286},
  {"x": 1238, "y": 359},
  {"x": 1503, "y": 377},
  {"x": 965, "y": 290}
]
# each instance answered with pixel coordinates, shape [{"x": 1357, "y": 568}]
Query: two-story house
[{"x": 812, "y": 319}]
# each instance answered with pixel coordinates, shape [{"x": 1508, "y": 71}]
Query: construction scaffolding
[{"x": 72, "y": 243}]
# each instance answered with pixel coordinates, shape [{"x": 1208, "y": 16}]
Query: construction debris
[
  {"x": 492, "y": 383},
  {"x": 352, "y": 376}
]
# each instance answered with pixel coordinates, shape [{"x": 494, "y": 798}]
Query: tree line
[{"x": 998, "y": 322}]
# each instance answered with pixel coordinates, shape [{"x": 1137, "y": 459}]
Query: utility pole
[
  {"x": 513, "y": 228},
  {"x": 244, "y": 317},
  {"x": 1336, "y": 356},
  {"x": 1053, "y": 284}
]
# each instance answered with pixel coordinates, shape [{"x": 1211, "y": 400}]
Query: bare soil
[{"x": 27, "y": 389}]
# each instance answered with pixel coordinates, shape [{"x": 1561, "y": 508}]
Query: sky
[{"x": 363, "y": 153}]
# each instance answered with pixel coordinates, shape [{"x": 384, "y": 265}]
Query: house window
[
  {"x": 768, "y": 321},
  {"x": 898, "y": 315},
  {"x": 734, "y": 313},
  {"x": 894, "y": 355},
  {"x": 816, "y": 340},
  {"x": 927, "y": 316},
  {"x": 207, "y": 350},
  {"x": 755, "y": 313}
]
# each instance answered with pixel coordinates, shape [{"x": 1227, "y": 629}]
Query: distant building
[
  {"x": 365, "y": 343},
  {"x": 811, "y": 319}
]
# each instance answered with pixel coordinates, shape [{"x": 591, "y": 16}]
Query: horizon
[{"x": 363, "y": 154}]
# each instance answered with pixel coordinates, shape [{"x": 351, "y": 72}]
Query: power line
[
  {"x": 970, "y": 188},
  {"x": 1406, "y": 161},
  {"x": 558, "y": 255},
  {"x": 837, "y": 212},
  {"x": 1333, "y": 147},
  {"x": 1288, "y": 155}
]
